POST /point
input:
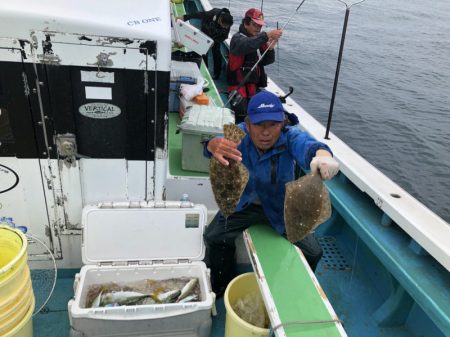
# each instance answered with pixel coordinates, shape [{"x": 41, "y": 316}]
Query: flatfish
[
  {"x": 306, "y": 206},
  {"x": 228, "y": 182}
]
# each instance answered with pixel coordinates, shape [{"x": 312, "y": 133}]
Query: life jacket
[{"x": 239, "y": 66}]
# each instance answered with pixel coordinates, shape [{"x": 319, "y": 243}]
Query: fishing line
[
  {"x": 278, "y": 58},
  {"x": 31, "y": 239},
  {"x": 338, "y": 66},
  {"x": 235, "y": 91},
  {"x": 354, "y": 263}
]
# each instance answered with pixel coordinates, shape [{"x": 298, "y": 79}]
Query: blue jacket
[{"x": 271, "y": 170}]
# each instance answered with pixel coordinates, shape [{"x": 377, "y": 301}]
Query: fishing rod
[
  {"x": 338, "y": 65},
  {"x": 235, "y": 91},
  {"x": 278, "y": 58}
]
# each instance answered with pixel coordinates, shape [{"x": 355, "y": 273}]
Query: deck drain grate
[{"x": 332, "y": 257}]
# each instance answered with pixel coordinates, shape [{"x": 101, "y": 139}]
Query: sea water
[{"x": 393, "y": 98}]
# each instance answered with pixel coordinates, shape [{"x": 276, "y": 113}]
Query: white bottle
[{"x": 185, "y": 202}]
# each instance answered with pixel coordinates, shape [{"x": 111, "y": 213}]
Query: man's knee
[
  {"x": 312, "y": 250},
  {"x": 314, "y": 259}
]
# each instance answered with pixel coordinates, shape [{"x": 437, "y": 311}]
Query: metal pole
[
  {"x": 338, "y": 66},
  {"x": 336, "y": 76}
]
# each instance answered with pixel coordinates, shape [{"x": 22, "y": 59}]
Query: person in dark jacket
[
  {"x": 216, "y": 23},
  {"x": 269, "y": 151},
  {"x": 246, "y": 48}
]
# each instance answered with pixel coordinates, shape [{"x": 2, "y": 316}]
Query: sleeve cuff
[
  {"x": 206, "y": 153},
  {"x": 313, "y": 149}
]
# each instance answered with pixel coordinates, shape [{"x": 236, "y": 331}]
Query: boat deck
[
  {"x": 351, "y": 276},
  {"x": 340, "y": 274}
]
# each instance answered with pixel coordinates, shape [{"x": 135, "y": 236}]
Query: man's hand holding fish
[{"x": 222, "y": 147}]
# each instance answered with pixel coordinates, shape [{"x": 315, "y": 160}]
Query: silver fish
[
  {"x": 97, "y": 300},
  {"x": 189, "y": 298},
  {"x": 110, "y": 305},
  {"x": 187, "y": 289},
  {"x": 169, "y": 296},
  {"x": 122, "y": 298}
]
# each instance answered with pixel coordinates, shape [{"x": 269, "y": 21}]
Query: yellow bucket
[
  {"x": 16, "y": 292},
  {"x": 234, "y": 325},
  {"x": 9, "y": 302},
  {"x": 16, "y": 316},
  {"x": 13, "y": 259},
  {"x": 25, "y": 327}
]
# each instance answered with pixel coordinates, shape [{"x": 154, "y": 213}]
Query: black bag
[{"x": 191, "y": 56}]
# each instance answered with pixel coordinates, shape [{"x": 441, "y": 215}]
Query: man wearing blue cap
[{"x": 269, "y": 151}]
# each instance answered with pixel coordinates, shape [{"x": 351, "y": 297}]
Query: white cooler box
[
  {"x": 151, "y": 242},
  {"x": 200, "y": 123}
]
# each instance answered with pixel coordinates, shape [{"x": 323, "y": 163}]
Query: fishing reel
[{"x": 235, "y": 98}]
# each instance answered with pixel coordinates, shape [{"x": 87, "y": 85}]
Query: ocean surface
[{"x": 392, "y": 103}]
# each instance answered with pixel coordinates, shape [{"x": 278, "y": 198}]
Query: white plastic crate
[
  {"x": 130, "y": 244},
  {"x": 179, "y": 69}
]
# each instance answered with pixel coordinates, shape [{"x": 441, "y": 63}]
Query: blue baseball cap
[{"x": 265, "y": 106}]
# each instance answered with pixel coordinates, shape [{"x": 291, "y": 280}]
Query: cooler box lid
[
  {"x": 143, "y": 235},
  {"x": 192, "y": 38},
  {"x": 206, "y": 118}
]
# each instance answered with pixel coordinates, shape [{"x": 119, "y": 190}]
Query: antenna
[{"x": 338, "y": 65}]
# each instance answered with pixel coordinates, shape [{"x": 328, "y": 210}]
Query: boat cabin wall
[{"x": 81, "y": 121}]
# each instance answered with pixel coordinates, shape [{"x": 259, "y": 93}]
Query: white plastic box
[
  {"x": 192, "y": 38},
  {"x": 180, "y": 69},
  {"x": 200, "y": 123},
  {"x": 123, "y": 245}
]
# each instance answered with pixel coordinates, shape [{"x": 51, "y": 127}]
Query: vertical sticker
[{"x": 99, "y": 110}]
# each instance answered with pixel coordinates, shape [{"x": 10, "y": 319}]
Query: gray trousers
[{"x": 220, "y": 238}]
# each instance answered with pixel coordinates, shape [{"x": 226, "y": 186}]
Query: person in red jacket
[{"x": 246, "y": 48}]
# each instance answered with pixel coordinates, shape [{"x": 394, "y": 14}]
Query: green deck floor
[
  {"x": 295, "y": 296},
  {"x": 175, "y": 139}
]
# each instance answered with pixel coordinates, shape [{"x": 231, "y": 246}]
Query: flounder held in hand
[
  {"x": 228, "y": 182},
  {"x": 306, "y": 206}
]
